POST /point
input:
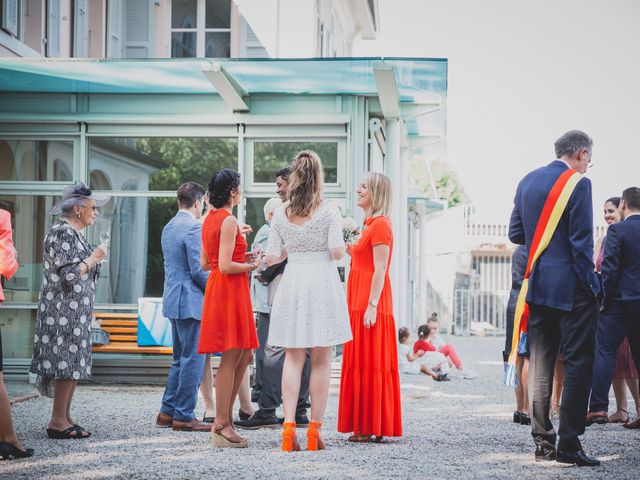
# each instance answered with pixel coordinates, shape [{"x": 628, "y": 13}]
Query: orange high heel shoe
[
  {"x": 314, "y": 442},
  {"x": 289, "y": 440}
]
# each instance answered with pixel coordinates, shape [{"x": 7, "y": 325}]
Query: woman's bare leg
[
  {"x": 525, "y": 385},
  {"x": 519, "y": 390},
  {"x": 62, "y": 398},
  {"x": 620, "y": 392},
  {"x": 239, "y": 377},
  {"x": 224, "y": 391},
  {"x": 558, "y": 383},
  {"x": 244, "y": 394},
  {"x": 319, "y": 381},
  {"x": 634, "y": 388},
  {"x": 7, "y": 433},
  {"x": 206, "y": 389},
  {"x": 294, "y": 359}
]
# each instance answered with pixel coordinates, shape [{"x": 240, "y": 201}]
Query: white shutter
[
  {"x": 10, "y": 16},
  {"x": 53, "y": 28},
  {"x": 80, "y": 29},
  {"x": 114, "y": 28},
  {"x": 250, "y": 43},
  {"x": 139, "y": 29}
]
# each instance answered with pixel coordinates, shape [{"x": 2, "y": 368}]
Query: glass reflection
[{"x": 36, "y": 160}]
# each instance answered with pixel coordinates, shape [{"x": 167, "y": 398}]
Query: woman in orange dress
[
  {"x": 370, "y": 384},
  {"x": 227, "y": 315}
]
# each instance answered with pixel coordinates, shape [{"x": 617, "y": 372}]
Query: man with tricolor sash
[{"x": 558, "y": 304}]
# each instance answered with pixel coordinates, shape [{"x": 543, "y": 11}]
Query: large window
[
  {"x": 135, "y": 168},
  {"x": 36, "y": 160},
  {"x": 31, "y": 221},
  {"x": 270, "y": 156},
  {"x": 17, "y": 332},
  {"x": 201, "y": 28}
]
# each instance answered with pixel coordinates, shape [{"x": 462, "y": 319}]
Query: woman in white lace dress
[{"x": 310, "y": 308}]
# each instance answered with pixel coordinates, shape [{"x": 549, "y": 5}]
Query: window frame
[
  {"x": 201, "y": 30},
  {"x": 48, "y": 185},
  {"x": 255, "y": 188}
]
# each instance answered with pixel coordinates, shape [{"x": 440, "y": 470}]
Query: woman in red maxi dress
[
  {"x": 227, "y": 316},
  {"x": 370, "y": 405}
]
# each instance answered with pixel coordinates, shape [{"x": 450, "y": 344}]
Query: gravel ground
[{"x": 458, "y": 429}]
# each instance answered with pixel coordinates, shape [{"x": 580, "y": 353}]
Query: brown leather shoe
[
  {"x": 596, "y": 417},
  {"x": 194, "y": 425},
  {"x": 163, "y": 420},
  {"x": 633, "y": 425}
]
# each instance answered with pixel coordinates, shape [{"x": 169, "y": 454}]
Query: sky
[{"x": 521, "y": 73}]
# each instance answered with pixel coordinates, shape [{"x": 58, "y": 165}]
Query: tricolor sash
[{"x": 552, "y": 211}]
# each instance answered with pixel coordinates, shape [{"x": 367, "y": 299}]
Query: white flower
[{"x": 350, "y": 231}]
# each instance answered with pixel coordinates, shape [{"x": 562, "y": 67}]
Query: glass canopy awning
[{"x": 418, "y": 80}]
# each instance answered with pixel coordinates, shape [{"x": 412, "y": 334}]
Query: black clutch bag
[{"x": 265, "y": 277}]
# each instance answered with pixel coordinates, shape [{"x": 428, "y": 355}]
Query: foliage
[
  {"x": 184, "y": 159},
  {"x": 272, "y": 156},
  {"x": 446, "y": 181}
]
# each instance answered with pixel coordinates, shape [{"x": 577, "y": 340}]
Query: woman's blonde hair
[
  {"x": 379, "y": 188},
  {"x": 305, "y": 184}
]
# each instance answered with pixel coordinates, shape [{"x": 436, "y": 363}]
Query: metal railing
[{"x": 479, "y": 312}]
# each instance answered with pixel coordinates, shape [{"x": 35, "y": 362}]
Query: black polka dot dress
[{"x": 62, "y": 340}]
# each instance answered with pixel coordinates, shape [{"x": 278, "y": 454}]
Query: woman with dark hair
[
  {"x": 227, "y": 316},
  {"x": 309, "y": 309},
  {"x": 626, "y": 373},
  {"x": 62, "y": 341}
]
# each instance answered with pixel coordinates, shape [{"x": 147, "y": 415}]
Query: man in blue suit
[
  {"x": 620, "y": 315},
  {"x": 562, "y": 298},
  {"x": 184, "y": 285}
]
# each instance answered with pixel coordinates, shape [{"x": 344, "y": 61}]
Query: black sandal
[
  {"x": 82, "y": 430},
  {"x": 9, "y": 451},
  {"x": 208, "y": 419},
  {"x": 67, "y": 434}
]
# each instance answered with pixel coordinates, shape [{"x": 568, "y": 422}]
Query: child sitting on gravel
[
  {"x": 430, "y": 341},
  {"x": 407, "y": 361}
]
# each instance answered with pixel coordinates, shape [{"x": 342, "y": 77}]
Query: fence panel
[{"x": 479, "y": 312}]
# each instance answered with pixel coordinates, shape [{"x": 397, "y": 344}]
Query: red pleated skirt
[{"x": 370, "y": 400}]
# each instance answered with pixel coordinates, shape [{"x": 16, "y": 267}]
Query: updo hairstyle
[{"x": 221, "y": 185}]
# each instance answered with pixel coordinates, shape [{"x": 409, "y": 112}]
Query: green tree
[
  {"x": 182, "y": 160},
  {"x": 447, "y": 183}
]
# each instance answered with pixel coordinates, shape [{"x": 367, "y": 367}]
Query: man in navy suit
[
  {"x": 562, "y": 298},
  {"x": 620, "y": 315},
  {"x": 184, "y": 285}
]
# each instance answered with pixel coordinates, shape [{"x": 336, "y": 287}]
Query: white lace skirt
[{"x": 310, "y": 307}]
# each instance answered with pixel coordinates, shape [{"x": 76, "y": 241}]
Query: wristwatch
[{"x": 374, "y": 304}]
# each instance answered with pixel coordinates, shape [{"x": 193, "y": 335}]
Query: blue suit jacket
[
  {"x": 184, "y": 279},
  {"x": 621, "y": 264},
  {"x": 567, "y": 261}
]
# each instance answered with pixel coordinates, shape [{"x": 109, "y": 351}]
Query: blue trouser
[
  {"x": 619, "y": 320},
  {"x": 185, "y": 375}
]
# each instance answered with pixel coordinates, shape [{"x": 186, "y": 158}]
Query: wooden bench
[{"x": 123, "y": 335}]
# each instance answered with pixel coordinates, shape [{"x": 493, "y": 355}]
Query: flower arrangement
[{"x": 350, "y": 230}]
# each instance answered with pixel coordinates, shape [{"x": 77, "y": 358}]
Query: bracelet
[{"x": 87, "y": 264}]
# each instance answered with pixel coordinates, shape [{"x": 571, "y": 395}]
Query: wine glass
[{"x": 105, "y": 237}]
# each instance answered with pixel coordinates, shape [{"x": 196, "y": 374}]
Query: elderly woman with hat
[{"x": 62, "y": 341}]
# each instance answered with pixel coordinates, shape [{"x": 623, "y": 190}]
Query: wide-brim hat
[{"x": 73, "y": 193}]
